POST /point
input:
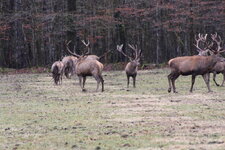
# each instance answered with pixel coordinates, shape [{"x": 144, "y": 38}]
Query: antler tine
[
  {"x": 67, "y": 47},
  {"x": 197, "y": 42},
  {"x": 103, "y": 55},
  {"x": 86, "y": 44},
  {"x": 134, "y": 48},
  {"x": 202, "y": 38},
  {"x": 218, "y": 41},
  {"x": 119, "y": 48},
  {"x": 131, "y": 46}
]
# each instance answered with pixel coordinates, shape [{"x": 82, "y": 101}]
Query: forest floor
[{"x": 36, "y": 114}]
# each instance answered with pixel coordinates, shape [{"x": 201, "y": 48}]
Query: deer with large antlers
[
  {"x": 194, "y": 65},
  {"x": 69, "y": 65},
  {"x": 220, "y": 66},
  {"x": 132, "y": 67},
  {"x": 87, "y": 67}
]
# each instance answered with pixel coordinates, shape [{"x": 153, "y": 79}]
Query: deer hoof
[
  {"x": 169, "y": 90},
  {"x": 84, "y": 90}
]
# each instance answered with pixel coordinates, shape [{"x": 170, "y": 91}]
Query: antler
[
  {"x": 218, "y": 41},
  {"x": 87, "y": 45},
  {"x": 198, "y": 39},
  {"x": 67, "y": 47},
  {"x": 119, "y": 48},
  {"x": 135, "y": 49},
  {"x": 103, "y": 55}
]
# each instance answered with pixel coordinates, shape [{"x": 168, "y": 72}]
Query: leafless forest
[{"x": 33, "y": 32}]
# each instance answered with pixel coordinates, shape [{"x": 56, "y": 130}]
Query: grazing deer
[
  {"x": 220, "y": 66},
  {"x": 132, "y": 67},
  {"x": 193, "y": 65},
  {"x": 57, "y": 72},
  {"x": 69, "y": 65},
  {"x": 87, "y": 67}
]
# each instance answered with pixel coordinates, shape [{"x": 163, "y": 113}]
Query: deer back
[
  {"x": 198, "y": 65},
  {"x": 89, "y": 67},
  {"x": 58, "y": 65}
]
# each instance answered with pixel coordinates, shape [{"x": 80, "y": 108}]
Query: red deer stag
[
  {"x": 57, "y": 72},
  {"x": 220, "y": 66},
  {"x": 132, "y": 67},
  {"x": 193, "y": 65},
  {"x": 87, "y": 67},
  {"x": 69, "y": 65}
]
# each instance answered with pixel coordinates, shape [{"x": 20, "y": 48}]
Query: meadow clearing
[{"x": 36, "y": 114}]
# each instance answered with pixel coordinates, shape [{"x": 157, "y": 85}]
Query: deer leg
[
  {"x": 170, "y": 76},
  {"x": 169, "y": 89},
  {"x": 97, "y": 78},
  {"x": 206, "y": 79},
  {"x": 80, "y": 82},
  {"x": 214, "y": 78},
  {"x": 173, "y": 82},
  {"x": 66, "y": 72},
  {"x": 223, "y": 79},
  {"x": 57, "y": 79},
  {"x": 84, "y": 80},
  {"x": 134, "y": 81},
  {"x": 192, "y": 82},
  {"x": 102, "y": 81},
  {"x": 60, "y": 79},
  {"x": 128, "y": 81}
]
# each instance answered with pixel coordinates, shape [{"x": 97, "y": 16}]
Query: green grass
[{"x": 36, "y": 114}]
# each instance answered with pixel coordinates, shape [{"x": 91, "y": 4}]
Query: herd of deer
[{"x": 207, "y": 61}]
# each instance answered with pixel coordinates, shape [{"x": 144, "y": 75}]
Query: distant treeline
[{"x": 33, "y": 32}]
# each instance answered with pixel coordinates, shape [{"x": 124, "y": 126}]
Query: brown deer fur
[
  {"x": 69, "y": 65},
  {"x": 220, "y": 66},
  {"x": 131, "y": 71},
  {"x": 88, "y": 67},
  {"x": 192, "y": 65},
  {"x": 217, "y": 69},
  {"x": 132, "y": 67},
  {"x": 57, "y": 72}
]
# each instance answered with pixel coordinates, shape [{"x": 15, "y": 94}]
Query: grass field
[{"x": 37, "y": 115}]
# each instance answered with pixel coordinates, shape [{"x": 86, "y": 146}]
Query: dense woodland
[{"x": 33, "y": 32}]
